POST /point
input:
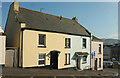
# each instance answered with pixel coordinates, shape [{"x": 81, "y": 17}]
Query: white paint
[
  {"x": 2, "y": 47},
  {"x": 1, "y": 30},
  {"x": 76, "y": 46}
]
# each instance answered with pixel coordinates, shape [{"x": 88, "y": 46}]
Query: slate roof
[
  {"x": 43, "y": 21},
  {"x": 96, "y": 39}
]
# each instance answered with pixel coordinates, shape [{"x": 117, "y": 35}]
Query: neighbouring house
[
  {"x": 111, "y": 52},
  {"x": 97, "y": 52},
  {"x": 2, "y": 46},
  {"x": 47, "y": 40},
  {"x": 115, "y": 52},
  {"x": 107, "y": 52}
]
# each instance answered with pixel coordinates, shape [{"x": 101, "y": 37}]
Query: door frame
[
  {"x": 52, "y": 57},
  {"x": 96, "y": 60},
  {"x": 78, "y": 62}
]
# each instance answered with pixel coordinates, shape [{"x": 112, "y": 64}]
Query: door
[
  {"x": 54, "y": 60},
  {"x": 96, "y": 64},
  {"x": 78, "y": 63}
]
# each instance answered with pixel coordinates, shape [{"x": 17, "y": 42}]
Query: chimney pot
[{"x": 75, "y": 18}]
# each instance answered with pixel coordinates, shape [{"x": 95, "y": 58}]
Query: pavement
[{"x": 47, "y": 73}]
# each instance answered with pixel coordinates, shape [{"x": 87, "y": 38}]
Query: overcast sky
[{"x": 100, "y": 18}]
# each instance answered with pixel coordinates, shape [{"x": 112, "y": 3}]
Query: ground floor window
[
  {"x": 99, "y": 62},
  {"x": 67, "y": 58},
  {"x": 41, "y": 60},
  {"x": 85, "y": 59}
]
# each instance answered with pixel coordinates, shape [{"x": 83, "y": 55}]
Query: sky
[{"x": 100, "y": 18}]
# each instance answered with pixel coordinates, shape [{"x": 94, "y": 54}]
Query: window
[
  {"x": 84, "y": 43},
  {"x": 99, "y": 62},
  {"x": 67, "y": 58},
  {"x": 67, "y": 42},
  {"x": 84, "y": 59},
  {"x": 42, "y": 38},
  {"x": 99, "y": 48},
  {"x": 41, "y": 60}
]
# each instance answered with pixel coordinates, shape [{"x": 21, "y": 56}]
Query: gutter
[
  {"x": 54, "y": 32},
  {"x": 21, "y": 50}
]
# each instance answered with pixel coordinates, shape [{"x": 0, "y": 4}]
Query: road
[{"x": 38, "y": 73}]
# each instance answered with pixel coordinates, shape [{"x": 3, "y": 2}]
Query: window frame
[
  {"x": 99, "y": 62},
  {"x": 44, "y": 42},
  {"x": 39, "y": 65},
  {"x": 67, "y": 42},
  {"x": 84, "y": 47},
  {"x": 100, "y": 46},
  {"x": 83, "y": 59},
  {"x": 67, "y": 59}
]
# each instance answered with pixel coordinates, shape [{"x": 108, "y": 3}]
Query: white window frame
[
  {"x": 99, "y": 62},
  {"x": 82, "y": 43},
  {"x": 83, "y": 59},
  {"x": 100, "y": 48},
  {"x": 41, "y": 60},
  {"x": 42, "y": 45},
  {"x": 68, "y": 59}
]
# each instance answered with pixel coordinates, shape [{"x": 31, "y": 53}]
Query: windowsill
[
  {"x": 83, "y": 48},
  {"x": 99, "y": 53},
  {"x": 84, "y": 62},
  {"x": 41, "y": 65},
  {"x": 43, "y": 46},
  {"x": 66, "y": 64},
  {"x": 68, "y": 47}
]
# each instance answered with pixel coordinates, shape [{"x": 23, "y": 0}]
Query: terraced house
[
  {"x": 2, "y": 46},
  {"x": 97, "y": 52},
  {"x": 47, "y": 40}
]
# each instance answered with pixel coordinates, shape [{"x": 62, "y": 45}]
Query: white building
[
  {"x": 80, "y": 52},
  {"x": 2, "y": 46}
]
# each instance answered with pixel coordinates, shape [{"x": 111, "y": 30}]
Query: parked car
[
  {"x": 107, "y": 64},
  {"x": 115, "y": 63}
]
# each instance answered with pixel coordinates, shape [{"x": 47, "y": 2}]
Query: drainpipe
[{"x": 90, "y": 52}]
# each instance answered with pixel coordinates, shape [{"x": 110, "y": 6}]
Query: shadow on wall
[{"x": 74, "y": 57}]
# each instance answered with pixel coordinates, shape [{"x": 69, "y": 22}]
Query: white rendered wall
[
  {"x": 2, "y": 49},
  {"x": 76, "y": 46}
]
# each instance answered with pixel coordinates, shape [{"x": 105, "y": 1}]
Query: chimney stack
[
  {"x": 75, "y": 18},
  {"x": 1, "y": 30},
  {"x": 60, "y": 17},
  {"x": 16, "y": 6}
]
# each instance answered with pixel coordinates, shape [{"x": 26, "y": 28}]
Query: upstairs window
[
  {"x": 99, "y": 48},
  {"x": 67, "y": 42},
  {"x": 42, "y": 38},
  {"x": 84, "y": 43},
  {"x": 67, "y": 58}
]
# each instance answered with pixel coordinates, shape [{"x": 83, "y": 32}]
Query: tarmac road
[{"x": 37, "y": 73}]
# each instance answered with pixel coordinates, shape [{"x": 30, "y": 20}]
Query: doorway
[
  {"x": 96, "y": 64},
  {"x": 78, "y": 63},
  {"x": 54, "y": 59}
]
